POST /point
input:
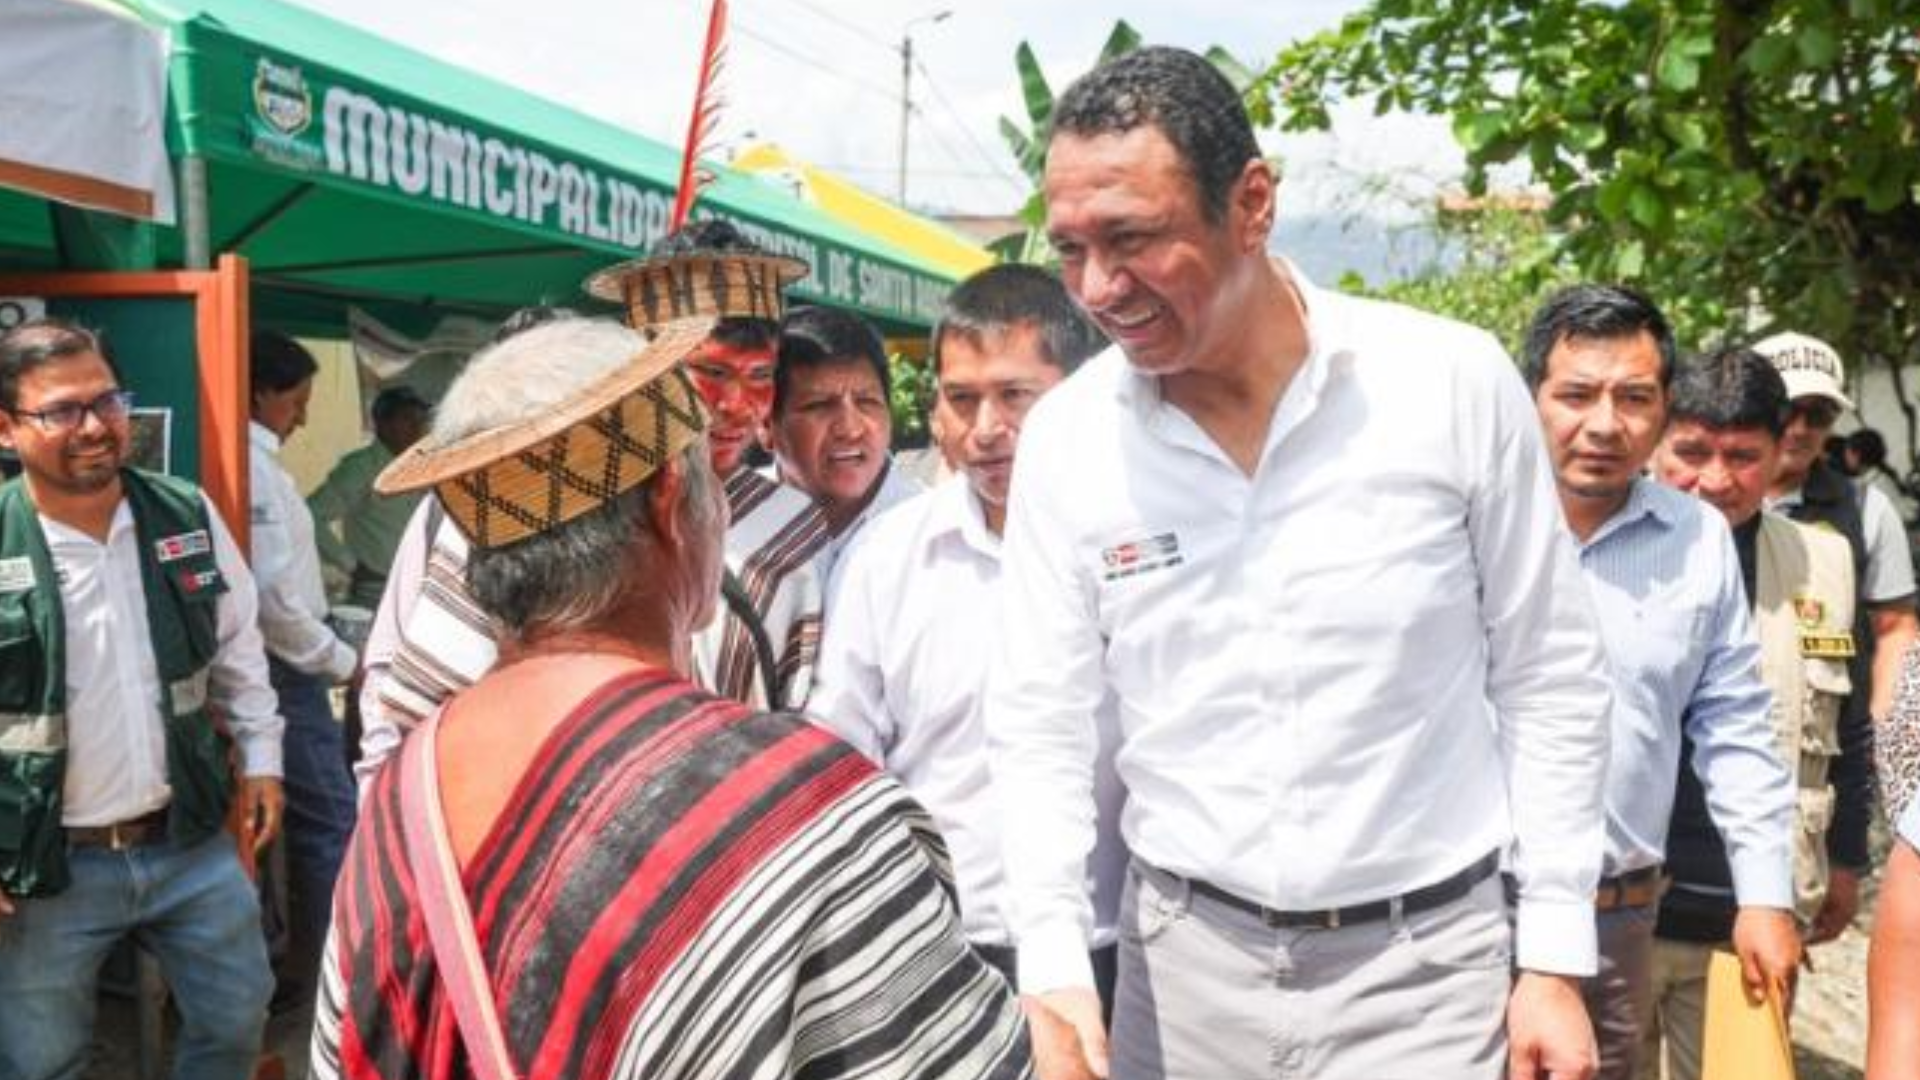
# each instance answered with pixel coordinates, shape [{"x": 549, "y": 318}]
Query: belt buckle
[{"x": 116, "y": 842}]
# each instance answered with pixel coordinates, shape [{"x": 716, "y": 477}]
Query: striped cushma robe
[
  {"x": 776, "y": 534},
  {"x": 678, "y": 888},
  {"x": 447, "y": 642}
]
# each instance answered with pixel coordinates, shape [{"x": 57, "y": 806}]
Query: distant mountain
[{"x": 1328, "y": 246}]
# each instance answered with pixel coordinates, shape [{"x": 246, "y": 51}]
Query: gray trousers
[
  {"x": 1619, "y": 997},
  {"x": 1210, "y": 992}
]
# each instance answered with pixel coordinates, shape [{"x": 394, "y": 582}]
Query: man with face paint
[{"x": 429, "y": 640}]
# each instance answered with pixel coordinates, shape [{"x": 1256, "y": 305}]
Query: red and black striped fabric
[{"x": 678, "y": 888}]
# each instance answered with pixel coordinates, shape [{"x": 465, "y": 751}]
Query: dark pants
[{"x": 321, "y": 807}]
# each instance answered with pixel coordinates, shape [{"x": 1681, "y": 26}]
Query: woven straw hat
[
  {"x": 711, "y": 284},
  {"x": 507, "y": 483}
]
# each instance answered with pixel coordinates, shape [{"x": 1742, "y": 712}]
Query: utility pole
[{"x": 906, "y": 93}]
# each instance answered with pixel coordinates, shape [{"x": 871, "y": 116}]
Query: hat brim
[
  {"x": 605, "y": 284},
  {"x": 427, "y": 462}
]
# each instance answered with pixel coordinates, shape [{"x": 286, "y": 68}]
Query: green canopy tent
[{"x": 350, "y": 170}]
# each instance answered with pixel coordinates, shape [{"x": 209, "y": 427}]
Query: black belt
[
  {"x": 1426, "y": 897},
  {"x": 121, "y": 835},
  {"x": 1635, "y": 888}
]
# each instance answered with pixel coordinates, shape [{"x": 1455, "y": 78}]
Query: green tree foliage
[
  {"x": 1750, "y": 163},
  {"x": 1497, "y": 263}
]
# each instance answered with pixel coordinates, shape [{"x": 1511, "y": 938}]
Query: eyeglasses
[
  {"x": 1817, "y": 412},
  {"x": 67, "y": 415}
]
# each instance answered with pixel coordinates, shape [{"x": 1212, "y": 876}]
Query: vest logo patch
[
  {"x": 1141, "y": 556},
  {"x": 1809, "y": 611},
  {"x": 16, "y": 575},
  {"x": 174, "y": 548},
  {"x": 1836, "y": 646},
  {"x": 197, "y": 581}
]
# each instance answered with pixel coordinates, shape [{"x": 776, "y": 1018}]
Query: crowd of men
[{"x": 1282, "y": 684}]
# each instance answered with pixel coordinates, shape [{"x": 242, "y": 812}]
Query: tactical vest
[
  {"x": 182, "y": 584},
  {"x": 1804, "y": 615}
]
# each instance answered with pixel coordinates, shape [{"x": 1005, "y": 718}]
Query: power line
[
  {"x": 795, "y": 54},
  {"x": 985, "y": 156},
  {"x": 848, "y": 25}
]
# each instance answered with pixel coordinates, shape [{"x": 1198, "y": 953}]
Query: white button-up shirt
[
  {"x": 1665, "y": 581},
  {"x": 116, "y": 737},
  {"x": 902, "y": 677},
  {"x": 293, "y": 600},
  {"x": 1341, "y": 678}
]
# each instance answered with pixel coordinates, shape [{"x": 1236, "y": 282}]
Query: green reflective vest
[{"x": 183, "y": 585}]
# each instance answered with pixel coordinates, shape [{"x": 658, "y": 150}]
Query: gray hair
[{"x": 571, "y": 576}]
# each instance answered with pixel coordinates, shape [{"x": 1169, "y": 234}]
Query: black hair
[
  {"x": 279, "y": 363},
  {"x": 719, "y": 234},
  {"x": 35, "y": 343},
  {"x": 812, "y": 337},
  {"x": 1182, "y": 95},
  {"x": 1731, "y": 387},
  {"x": 1595, "y": 312},
  {"x": 1870, "y": 447},
  {"x": 1011, "y": 295}
]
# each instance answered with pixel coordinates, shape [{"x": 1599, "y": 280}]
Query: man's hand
[
  {"x": 261, "y": 800},
  {"x": 1769, "y": 948},
  {"x": 6, "y": 905},
  {"x": 1069, "y": 1042},
  {"x": 1548, "y": 1034},
  {"x": 1843, "y": 903}
]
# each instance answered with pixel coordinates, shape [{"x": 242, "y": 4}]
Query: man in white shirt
[
  {"x": 126, "y": 621},
  {"x": 370, "y": 524},
  {"x": 904, "y": 663},
  {"x": 1665, "y": 580},
  {"x": 304, "y": 656},
  {"x": 1311, "y": 545}
]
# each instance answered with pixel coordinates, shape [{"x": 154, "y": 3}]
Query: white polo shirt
[
  {"x": 116, "y": 737},
  {"x": 903, "y": 675},
  {"x": 1341, "y": 678}
]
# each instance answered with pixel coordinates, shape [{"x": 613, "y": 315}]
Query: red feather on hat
[{"x": 700, "y": 125}]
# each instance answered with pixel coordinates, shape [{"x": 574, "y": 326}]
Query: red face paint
[{"x": 737, "y": 384}]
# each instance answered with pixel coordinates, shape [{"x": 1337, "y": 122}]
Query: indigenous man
[
  {"x": 1723, "y": 444},
  {"x": 658, "y": 883},
  {"x": 1310, "y": 544},
  {"x": 370, "y": 525},
  {"x": 764, "y": 649},
  {"x": 832, "y": 424},
  {"x": 127, "y": 619},
  {"x": 903, "y": 669},
  {"x": 1808, "y": 488},
  {"x": 1666, "y": 588}
]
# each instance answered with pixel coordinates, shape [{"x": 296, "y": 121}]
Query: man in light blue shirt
[{"x": 1665, "y": 581}]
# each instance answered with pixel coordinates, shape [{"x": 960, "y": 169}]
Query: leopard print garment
[{"x": 1897, "y": 740}]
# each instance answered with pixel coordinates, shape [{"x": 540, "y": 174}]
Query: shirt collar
[
  {"x": 1645, "y": 502},
  {"x": 261, "y": 436},
  {"x": 1330, "y": 348},
  {"x": 956, "y": 512}
]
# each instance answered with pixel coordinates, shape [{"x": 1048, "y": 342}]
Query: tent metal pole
[{"x": 193, "y": 212}]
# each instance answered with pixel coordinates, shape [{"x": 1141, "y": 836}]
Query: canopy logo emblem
[{"x": 281, "y": 98}]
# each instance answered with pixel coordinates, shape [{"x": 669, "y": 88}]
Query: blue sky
[{"x": 822, "y": 78}]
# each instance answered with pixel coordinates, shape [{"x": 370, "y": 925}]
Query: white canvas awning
[{"x": 83, "y": 105}]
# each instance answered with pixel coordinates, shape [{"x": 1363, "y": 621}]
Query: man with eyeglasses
[
  {"x": 1808, "y": 489},
  {"x": 127, "y": 620}
]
